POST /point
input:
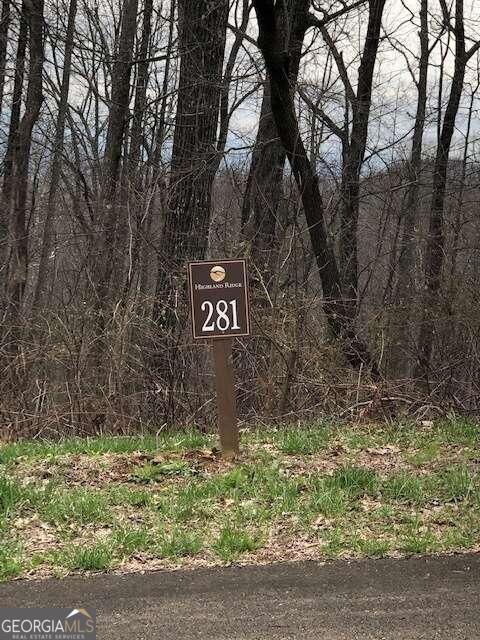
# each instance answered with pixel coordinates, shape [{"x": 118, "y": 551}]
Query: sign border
[{"x": 247, "y": 298}]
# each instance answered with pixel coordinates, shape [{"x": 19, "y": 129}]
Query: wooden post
[{"x": 227, "y": 418}]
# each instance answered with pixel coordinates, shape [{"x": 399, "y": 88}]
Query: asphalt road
[{"x": 437, "y": 597}]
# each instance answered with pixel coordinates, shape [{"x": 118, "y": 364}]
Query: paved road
[{"x": 435, "y": 598}]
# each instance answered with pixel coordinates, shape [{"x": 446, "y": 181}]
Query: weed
[
  {"x": 10, "y": 495},
  {"x": 416, "y": 542},
  {"x": 404, "y": 487},
  {"x": 233, "y": 542},
  {"x": 97, "y": 557},
  {"x": 10, "y": 560},
  {"x": 79, "y": 505},
  {"x": 355, "y": 481},
  {"x": 373, "y": 548},
  {"x": 302, "y": 441},
  {"x": 130, "y": 541},
  {"x": 180, "y": 543},
  {"x": 150, "y": 472}
]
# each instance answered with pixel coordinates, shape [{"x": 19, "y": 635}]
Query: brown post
[{"x": 227, "y": 417}]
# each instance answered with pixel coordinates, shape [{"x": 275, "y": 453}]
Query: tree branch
[{"x": 334, "y": 128}]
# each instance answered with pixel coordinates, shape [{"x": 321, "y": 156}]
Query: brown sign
[{"x": 219, "y": 298}]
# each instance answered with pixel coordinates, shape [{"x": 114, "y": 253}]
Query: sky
[{"x": 394, "y": 102}]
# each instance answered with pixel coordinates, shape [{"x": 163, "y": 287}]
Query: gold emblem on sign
[{"x": 217, "y": 274}]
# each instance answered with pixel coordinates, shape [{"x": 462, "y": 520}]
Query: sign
[
  {"x": 49, "y": 623},
  {"x": 219, "y": 299},
  {"x": 220, "y": 309}
]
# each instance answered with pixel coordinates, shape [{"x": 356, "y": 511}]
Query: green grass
[
  {"x": 233, "y": 542},
  {"x": 334, "y": 543},
  {"x": 404, "y": 487},
  {"x": 121, "y": 495},
  {"x": 457, "y": 484},
  {"x": 373, "y": 548},
  {"x": 327, "y": 500},
  {"x": 182, "y": 441},
  {"x": 459, "y": 538},
  {"x": 179, "y": 544},
  {"x": 306, "y": 441},
  {"x": 96, "y": 557},
  {"x": 458, "y": 431},
  {"x": 78, "y": 505},
  {"x": 10, "y": 495},
  {"x": 426, "y": 454},
  {"x": 11, "y": 560},
  {"x": 129, "y": 541},
  {"x": 417, "y": 543},
  {"x": 292, "y": 487},
  {"x": 151, "y": 472},
  {"x": 355, "y": 481}
]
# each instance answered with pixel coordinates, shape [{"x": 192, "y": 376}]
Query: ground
[{"x": 321, "y": 491}]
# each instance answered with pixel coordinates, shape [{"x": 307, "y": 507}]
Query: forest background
[{"x": 334, "y": 144}]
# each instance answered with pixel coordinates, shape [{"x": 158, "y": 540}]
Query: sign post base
[{"x": 227, "y": 420}]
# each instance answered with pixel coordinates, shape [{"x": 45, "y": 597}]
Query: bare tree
[
  {"x": 406, "y": 262},
  {"x": 436, "y": 240},
  {"x": 263, "y": 194},
  {"x": 136, "y": 133},
  {"x": 117, "y": 123},
  {"x": 339, "y": 310},
  {"x": 18, "y": 246},
  {"x": 55, "y": 172},
  {"x": 358, "y": 102},
  {"x": 4, "y": 27},
  {"x": 202, "y": 36},
  {"x": 16, "y": 105}
]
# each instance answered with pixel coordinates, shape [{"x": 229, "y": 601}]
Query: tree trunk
[
  {"x": 136, "y": 133},
  {"x": 18, "y": 255},
  {"x": 155, "y": 183},
  {"x": 4, "y": 26},
  {"x": 16, "y": 106},
  {"x": 406, "y": 263},
  {"x": 459, "y": 217},
  {"x": 356, "y": 151},
  {"x": 161, "y": 124},
  {"x": 202, "y": 36},
  {"x": 436, "y": 240},
  {"x": 261, "y": 205},
  {"x": 339, "y": 311},
  {"x": 109, "y": 260},
  {"x": 136, "y": 175},
  {"x": 263, "y": 194},
  {"x": 47, "y": 240}
]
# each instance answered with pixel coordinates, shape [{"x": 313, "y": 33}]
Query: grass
[
  {"x": 233, "y": 542},
  {"x": 373, "y": 548},
  {"x": 326, "y": 500},
  {"x": 10, "y": 494},
  {"x": 184, "y": 441},
  {"x": 80, "y": 506},
  {"x": 405, "y": 488},
  {"x": 96, "y": 557},
  {"x": 151, "y": 472},
  {"x": 302, "y": 441},
  {"x": 355, "y": 481},
  {"x": 179, "y": 544},
  {"x": 11, "y": 560},
  {"x": 129, "y": 541},
  {"x": 457, "y": 484},
  {"x": 416, "y": 543},
  {"x": 326, "y": 491}
]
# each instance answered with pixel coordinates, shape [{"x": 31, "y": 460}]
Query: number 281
[{"x": 223, "y": 321}]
